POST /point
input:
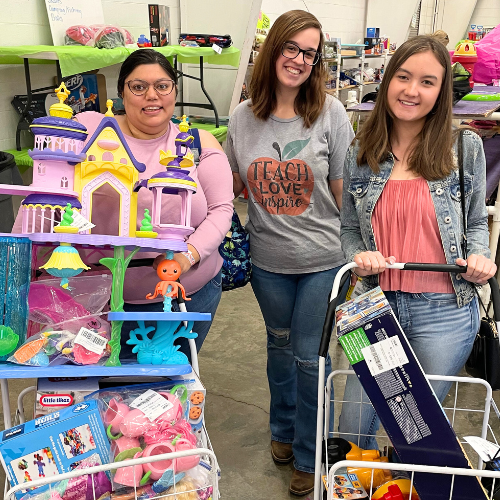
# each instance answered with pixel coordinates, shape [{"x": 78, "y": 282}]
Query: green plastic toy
[
  {"x": 481, "y": 97},
  {"x": 8, "y": 340}
]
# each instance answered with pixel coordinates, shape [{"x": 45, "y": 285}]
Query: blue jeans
[
  {"x": 440, "y": 334},
  {"x": 204, "y": 300},
  {"x": 294, "y": 308}
]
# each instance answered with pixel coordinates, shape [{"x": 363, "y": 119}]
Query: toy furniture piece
[
  {"x": 173, "y": 181},
  {"x": 74, "y": 173}
]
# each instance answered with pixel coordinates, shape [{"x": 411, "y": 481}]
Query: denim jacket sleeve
[
  {"x": 477, "y": 214},
  {"x": 350, "y": 230}
]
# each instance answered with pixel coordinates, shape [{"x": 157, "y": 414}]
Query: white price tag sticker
[
  {"x": 151, "y": 404},
  {"x": 81, "y": 222},
  {"x": 217, "y": 48},
  {"x": 384, "y": 355},
  {"x": 91, "y": 341}
]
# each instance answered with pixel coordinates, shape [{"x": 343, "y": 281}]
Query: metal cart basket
[{"x": 454, "y": 406}]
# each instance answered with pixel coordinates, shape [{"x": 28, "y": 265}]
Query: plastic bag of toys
[
  {"x": 109, "y": 37},
  {"x": 78, "y": 488},
  {"x": 79, "y": 35},
  {"x": 144, "y": 421},
  {"x": 53, "y": 347},
  {"x": 83, "y": 301}
]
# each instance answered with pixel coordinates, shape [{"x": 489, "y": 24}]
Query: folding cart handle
[{"x": 343, "y": 273}]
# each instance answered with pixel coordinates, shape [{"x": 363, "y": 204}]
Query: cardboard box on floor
[{"x": 393, "y": 379}]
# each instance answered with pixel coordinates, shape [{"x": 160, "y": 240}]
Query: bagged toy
[
  {"x": 143, "y": 421},
  {"x": 55, "y": 347},
  {"x": 109, "y": 37},
  {"x": 79, "y": 35},
  {"x": 81, "y": 304}
]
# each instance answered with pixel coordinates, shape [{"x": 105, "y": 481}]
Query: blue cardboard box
[
  {"x": 372, "y": 32},
  {"x": 53, "y": 444},
  {"x": 393, "y": 379}
]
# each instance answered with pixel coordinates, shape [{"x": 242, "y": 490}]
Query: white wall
[
  {"x": 340, "y": 18},
  {"x": 393, "y": 17},
  {"x": 486, "y": 13},
  {"x": 25, "y": 22}
]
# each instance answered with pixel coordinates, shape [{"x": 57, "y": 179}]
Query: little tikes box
[
  {"x": 392, "y": 377},
  {"x": 53, "y": 444}
]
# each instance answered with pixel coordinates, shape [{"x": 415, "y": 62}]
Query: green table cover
[
  {"x": 219, "y": 133},
  {"x": 22, "y": 158},
  {"x": 75, "y": 59}
]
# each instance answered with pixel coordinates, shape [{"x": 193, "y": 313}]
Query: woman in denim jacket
[{"x": 401, "y": 202}]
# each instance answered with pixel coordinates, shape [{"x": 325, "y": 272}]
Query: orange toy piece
[
  {"x": 28, "y": 350},
  {"x": 380, "y": 476},
  {"x": 169, "y": 271}
]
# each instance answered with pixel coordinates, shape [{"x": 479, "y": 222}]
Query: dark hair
[
  {"x": 144, "y": 56},
  {"x": 431, "y": 152},
  {"x": 311, "y": 97}
]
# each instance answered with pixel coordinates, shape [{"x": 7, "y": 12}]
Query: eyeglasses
[
  {"x": 291, "y": 50},
  {"x": 140, "y": 87}
]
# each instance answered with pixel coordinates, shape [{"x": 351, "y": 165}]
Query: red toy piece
[
  {"x": 169, "y": 271},
  {"x": 394, "y": 493}
]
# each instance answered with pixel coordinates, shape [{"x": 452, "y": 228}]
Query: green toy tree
[{"x": 117, "y": 265}]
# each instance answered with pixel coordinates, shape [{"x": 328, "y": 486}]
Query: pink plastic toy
[
  {"x": 135, "y": 424},
  {"x": 123, "y": 444},
  {"x": 129, "y": 476},
  {"x": 114, "y": 415},
  {"x": 184, "y": 463},
  {"x": 158, "y": 468}
]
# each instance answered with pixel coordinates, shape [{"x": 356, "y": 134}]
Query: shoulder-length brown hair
[
  {"x": 431, "y": 152},
  {"x": 311, "y": 97}
]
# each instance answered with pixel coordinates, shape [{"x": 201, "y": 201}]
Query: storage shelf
[
  {"x": 129, "y": 367},
  {"x": 159, "y": 316}
]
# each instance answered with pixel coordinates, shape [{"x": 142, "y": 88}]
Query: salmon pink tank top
[{"x": 405, "y": 225}]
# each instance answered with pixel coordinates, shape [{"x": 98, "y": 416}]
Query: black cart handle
[{"x": 344, "y": 273}]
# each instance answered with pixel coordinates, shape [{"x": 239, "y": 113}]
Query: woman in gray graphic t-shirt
[{"x": 287, "y": 147}]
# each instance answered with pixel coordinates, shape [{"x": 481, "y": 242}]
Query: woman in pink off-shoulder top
[{"x": 148, "y": 86}]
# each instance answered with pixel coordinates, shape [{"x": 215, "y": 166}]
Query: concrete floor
[{"x": 233, "y": 370}]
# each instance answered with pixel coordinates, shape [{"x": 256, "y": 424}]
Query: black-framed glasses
[
  {"x": 291, "y": 50},
  {"x": 140, "y": 87}
]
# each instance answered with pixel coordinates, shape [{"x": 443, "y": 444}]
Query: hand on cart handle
[
  {"x": 370, "y": 263},
  {"x": 479, "y": 269}
]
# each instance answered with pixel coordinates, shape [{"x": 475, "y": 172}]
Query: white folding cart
[{"x": 325, "y": 391}]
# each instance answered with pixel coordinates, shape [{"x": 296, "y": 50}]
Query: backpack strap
[{"x": 196, "y": 147}]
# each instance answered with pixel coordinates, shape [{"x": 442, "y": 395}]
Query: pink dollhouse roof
[{"x": 109, "y": 121}]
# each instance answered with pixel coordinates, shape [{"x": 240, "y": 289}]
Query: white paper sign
[
  {"x": 81, "y": 222},
  {"x": 483, "y": 448},
  {"x": 217, "y": 48},
  {"x": 91, "y": 341},
  {"x": 151, "y": 404},
  {"x": 384, "y": 356},
  {"x": 66, "y": 13}
]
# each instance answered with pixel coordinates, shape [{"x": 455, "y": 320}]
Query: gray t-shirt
[{"x": 293, "y": 220}]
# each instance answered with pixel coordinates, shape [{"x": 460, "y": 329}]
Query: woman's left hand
[
  {"x": 479, "y": 268},
  {"x": 183, "y": 262}
]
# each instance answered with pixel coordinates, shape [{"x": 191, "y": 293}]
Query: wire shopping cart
[
  {"x": 209, "y": 490},
  {"x": 325, "y": 392}
]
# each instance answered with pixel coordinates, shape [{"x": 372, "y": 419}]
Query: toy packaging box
[
  {"x": 159, "y": 25},
  {"x": 393, "y": 379},
  {"x": 53, "y": 444},
  {"x": 55, "y": 393},
  {"x": 346, "y": 486}
]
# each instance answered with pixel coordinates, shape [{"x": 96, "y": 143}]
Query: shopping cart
[
  {"x": 208, "y": 460},
  {"x": 325, "y": 391}
]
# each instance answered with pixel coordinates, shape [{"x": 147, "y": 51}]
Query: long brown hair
[
  {"x": 311, "y": 97},
  {"x": 431, "y": 152}
]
